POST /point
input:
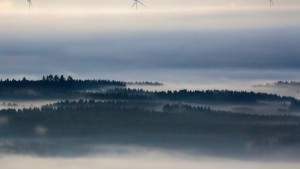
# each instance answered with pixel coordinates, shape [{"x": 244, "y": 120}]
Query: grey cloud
[{"x": 244, "y": 49}]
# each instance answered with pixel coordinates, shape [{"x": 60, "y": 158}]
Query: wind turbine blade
[
  {"x": 142, "y": 4},
  {"x": 133, "y": 5}
]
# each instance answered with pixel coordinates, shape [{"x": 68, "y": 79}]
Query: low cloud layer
[
  {"x": 262, "y": 49},
  {"x": 124, "y": 4},
  {"x": 148, "y": 160},
  {"x": 249, "y": 40}
]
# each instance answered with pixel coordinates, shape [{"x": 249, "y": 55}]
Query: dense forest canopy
[
  {"x": 127, "y": 121},
  {"x": 189, "y": 95},
  {"x": 84, "y": 115},
  {"x": 57, "y": 82},
  {"x": 60, "y": 87},
  {"x": 52, "y": 87},
  {"x": 108, "y": 109}
]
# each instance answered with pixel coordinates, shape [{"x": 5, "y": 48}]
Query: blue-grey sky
[{"x": 131, "y": 44}]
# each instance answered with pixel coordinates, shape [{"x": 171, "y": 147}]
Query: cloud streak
[
  {"x": 238, "y": 40},
  {"x": 257, "y": 49}
]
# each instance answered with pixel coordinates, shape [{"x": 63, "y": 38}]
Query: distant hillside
[
  {"x": 217, "y": 96},
  {"x": 175, "y": 124},
  {"x": 279, "y": 84}
]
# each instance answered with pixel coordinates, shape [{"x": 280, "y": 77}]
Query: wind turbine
[
  {"x": 136, "y": 3},
  {"x": 29, "y": 3},
  {"x": 271, "y": 3}
]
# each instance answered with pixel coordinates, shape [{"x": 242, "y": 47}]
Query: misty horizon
[{"x": 168, "y": 84}]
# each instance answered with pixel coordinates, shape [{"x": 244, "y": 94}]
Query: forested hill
[
  {"x": 89, "y": 117},
  {"x": 55, "y": 82},
  {"x": 119, "y": 122},
  {"x": 189, "y": 95},
  {"x": 60, "y": 87},
  {"x": 279, "y": 84},
  {"x": 52, "y": 87}
]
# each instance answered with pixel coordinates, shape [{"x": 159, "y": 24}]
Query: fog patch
[
  {"x": 140, "y": 160},
  {"x": 4, "y": 121},
  {"x": 20, "y": 104},
  {"x": 41, "y": 130},
  {"x": 293, "y": 91}
]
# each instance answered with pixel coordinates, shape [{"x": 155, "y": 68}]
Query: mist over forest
[
  {"x": 77, "y": 115},
  {"x": 142, "y": 84}
]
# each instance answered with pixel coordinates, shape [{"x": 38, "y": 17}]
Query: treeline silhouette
[
  {"x": 279, "y": 83},
  {"x": 57, "y": 82},
  {"x": 226, "y": 96},
  {"x": 52, "y": 87},
  {"x": 60, "y": 87},
  {"x": 145, "y": 83},
  {"x": 90, "y": 118}
]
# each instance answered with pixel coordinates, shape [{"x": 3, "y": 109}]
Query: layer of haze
[
  {"x": 146, "y": 160},
  {"x": 80, "y": 5},
  {"x": 219, "y": 42},
  {"x": 137, "y": 157},
  {"x": 216, "y": 43},
  {"x": 212, "y": 43}
]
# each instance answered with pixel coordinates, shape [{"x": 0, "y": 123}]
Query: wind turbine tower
[
  {"x": 136, "y": 4},
  {"x": 29, "y": 4},
  {"x": 271, "y": 3}
]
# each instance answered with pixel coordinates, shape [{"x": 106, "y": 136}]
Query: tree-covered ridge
[
  {"x": 51, "y": 82},
  {"x": 52, "y": 87},
  {"x": 60, "y": 87},
  {"x": 279, "y": 84},
  {"x": 189, "y": 95},
  {"x": 71, "y": 118},
  {"x": 141, "y": 123},
  {"x": 145, "y": 83}
]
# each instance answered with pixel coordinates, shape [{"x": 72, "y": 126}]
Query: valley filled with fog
[
  {"x": 180, "y": 84},
  {"x": 60, "y": 119}
]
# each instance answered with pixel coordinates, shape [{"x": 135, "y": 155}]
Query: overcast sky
[
  {"x": 125, "y": 4},
  {"x": 252, "y": 38}
]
